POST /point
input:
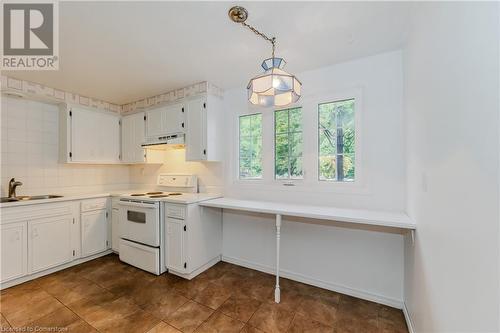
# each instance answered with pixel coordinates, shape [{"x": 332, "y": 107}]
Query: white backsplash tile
[{"x": 30, "y": 152}]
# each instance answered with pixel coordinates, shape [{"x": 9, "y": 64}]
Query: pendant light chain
[
  {"x": 272, "y": 40},
  {"x": 275, "y": 87}
]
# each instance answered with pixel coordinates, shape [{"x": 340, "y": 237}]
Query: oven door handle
[{"x": 139, "y": 204}]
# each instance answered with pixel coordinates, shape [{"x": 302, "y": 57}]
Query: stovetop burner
[
  {"x": 138, "y": 194},
  {"x": 153, "y": 193}
]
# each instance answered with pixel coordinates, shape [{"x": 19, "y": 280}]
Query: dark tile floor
[{"x": 105, "y": 295}]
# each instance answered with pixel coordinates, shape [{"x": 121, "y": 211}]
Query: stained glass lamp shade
[{"x": 274, "y": 87}]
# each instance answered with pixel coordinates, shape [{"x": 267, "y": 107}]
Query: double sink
[{"x": 29, "y": 197}]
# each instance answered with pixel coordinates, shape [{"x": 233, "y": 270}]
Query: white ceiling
[{"x": 124, "y": 51}]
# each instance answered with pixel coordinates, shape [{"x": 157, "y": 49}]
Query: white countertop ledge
[
  {"x": 70, "y": 197},
  {"x": 367, "y": 217},
  {"x": 188, "y": 198}
]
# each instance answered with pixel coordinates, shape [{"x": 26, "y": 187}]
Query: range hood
[{"x": 174, "y": 141}]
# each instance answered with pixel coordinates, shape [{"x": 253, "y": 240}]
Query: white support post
[{"x": 278, "y": 235}]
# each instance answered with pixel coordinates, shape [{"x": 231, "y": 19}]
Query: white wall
[
  {"x": 365, "y": 263},
  {"x": 29, "y": 152},
  {"x": 452, "y": 102},
  {"x": 210, "y": 174}
]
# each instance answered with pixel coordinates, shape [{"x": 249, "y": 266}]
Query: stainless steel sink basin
[{"x": 29, "y": 197}]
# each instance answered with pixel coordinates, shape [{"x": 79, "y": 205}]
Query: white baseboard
[
  {"x": 395, "y": 303},
  {"x": 52, "y": 270},
  {"x": 408, "y": 319},
  {"x": 197, "y": 271}
]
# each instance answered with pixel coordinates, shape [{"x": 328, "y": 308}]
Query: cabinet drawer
[
  {"x": 176, "y": 211},
  {"x": 94, "y": 204}
]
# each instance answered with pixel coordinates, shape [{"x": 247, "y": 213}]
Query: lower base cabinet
[
  {"x": 193, "y": 237},
  {"x": 14, "y": 254},
  {"x": 94, "y": 232},
  {"x": 49, "y": 242},
  {"x": 175, "y": 244},
  {"x": 40, "y": 237},
  {"x": 115, "y": 230}
]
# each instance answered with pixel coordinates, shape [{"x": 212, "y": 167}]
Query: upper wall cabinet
[
  {"x": 204, "y": 119},
  {"x": 133, "y": 127},
  {"x": 133, "y": 136},
  {"x": 165, "y": 120},
  {"x": 89, "y": 136}
]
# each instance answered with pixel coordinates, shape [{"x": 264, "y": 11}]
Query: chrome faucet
[{"x": 12, "y": 187}]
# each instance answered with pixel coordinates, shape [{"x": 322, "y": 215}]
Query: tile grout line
[{"x": 66, "y": 306}]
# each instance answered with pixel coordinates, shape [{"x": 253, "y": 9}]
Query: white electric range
[{"x": 142, "y": 221}]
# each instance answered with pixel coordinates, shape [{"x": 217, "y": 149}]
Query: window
[
  {"x": 251, "y": 146},
  {"x": 336, "y": 141},
  {"x": 288, "y": 144}
]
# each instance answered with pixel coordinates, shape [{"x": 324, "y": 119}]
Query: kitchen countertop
[
  {"x": 186, "y": 199},
  {"x": 359, "y": 216}
]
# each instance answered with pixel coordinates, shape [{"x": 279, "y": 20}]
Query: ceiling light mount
[
  {"x": 274, "y": 87},
  {"x": 238, "y": 14}
]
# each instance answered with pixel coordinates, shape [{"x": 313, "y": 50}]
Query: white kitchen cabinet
[
  {"x": 89, "y": 135},
  {"x": 204, "y": 124},
  {"x": 115, "y": 229},
  {"x": 175, "y": 245},
  {"x": 49, "y": 242},
  {"x": 133, "y": 136},
  {"x": 165, "y": 120},
  {"x": 133, "y": 131},
  {"x": 94, "y": 232},
  {"x": 193, "y": 237},
  {"x": 14, "y": 254}
]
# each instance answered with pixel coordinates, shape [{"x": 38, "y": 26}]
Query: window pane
[
  {"x": 288, "y": 144},
  {"x": 245, "y": 126},
  {"x": 295, "y": 120},
  {"x": 336, "y": 140},
  {"x": 327, "y": 142},
  {"x": 348, "y": 167},
  {"x": 250, "y": 160},
  {"x": 281, "y": 121},
  {"x": 327, "y": 167}
]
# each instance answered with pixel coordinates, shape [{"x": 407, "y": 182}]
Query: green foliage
[
  {"x": 288, "y": 143},
  {"x": 251, "y": 146},
  {"x": 336, "y": 140}
]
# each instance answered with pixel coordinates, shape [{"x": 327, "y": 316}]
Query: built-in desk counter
[{"x": 387, "y": 220}]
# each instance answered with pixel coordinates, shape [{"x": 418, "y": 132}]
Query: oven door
[{"x": 140, "y": 222}]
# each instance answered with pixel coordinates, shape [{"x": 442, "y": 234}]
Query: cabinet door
[
  {"x": 49, "y": 242},
  {"x": 115, "y": 230},
  {"x": 175, "y": 244},
  {"x": 133, "y": 130},
  {"x": 175, "y": 119},
  {"x": 84, "y": 137},
  {"x": 14, "y": 251},
  {"x": 108, "y": 134},
  {"x": 94, "y": 232},
  {"x": 196, "y": 129},
  {"x": 156, "y": 122},
  {"x": 95, "y": 136}
]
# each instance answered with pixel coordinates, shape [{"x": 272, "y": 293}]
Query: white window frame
[
  {"x": 336, "y": 154},
  {"x": 288, "y": 180},
  {"x": 239, "y": 142},
  {"x": 310, "y": 152}
]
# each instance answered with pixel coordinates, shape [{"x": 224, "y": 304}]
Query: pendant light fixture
[{"x": 274, "y": 87}]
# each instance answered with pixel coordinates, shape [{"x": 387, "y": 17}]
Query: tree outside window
[
  {"x": 288, "y": 143},
  {"x": 336, "y": 141}
]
